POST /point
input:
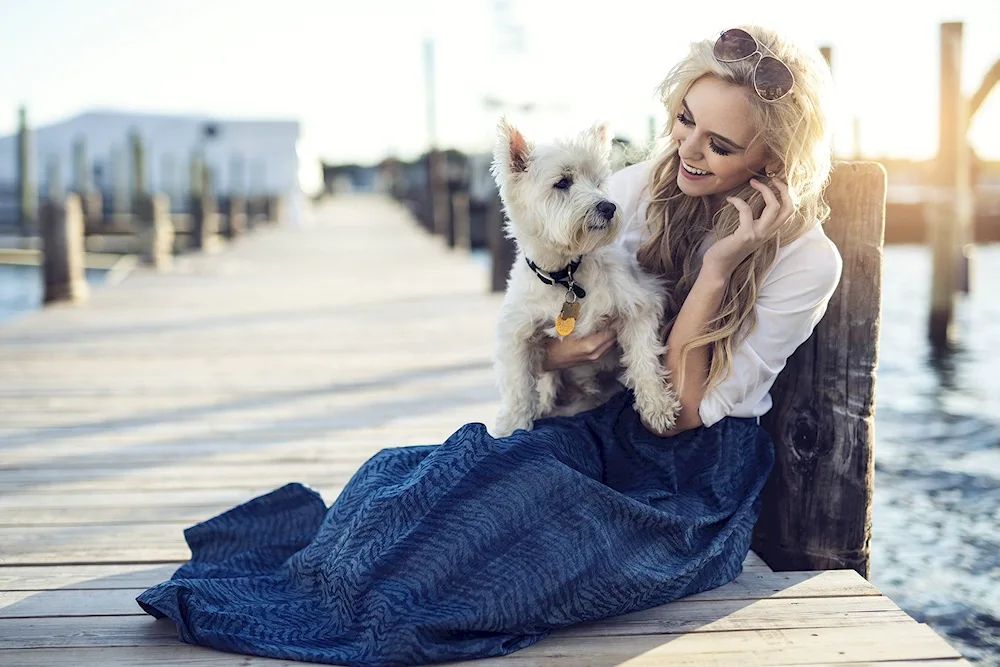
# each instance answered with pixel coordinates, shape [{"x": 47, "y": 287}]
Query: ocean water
[
  {"x": 936, "y": 524},
  {"x": 936, "y": 527},
  {"x": 21, "y": 288}
]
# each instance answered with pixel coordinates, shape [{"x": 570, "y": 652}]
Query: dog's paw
[{"x": 658, "y": 409}]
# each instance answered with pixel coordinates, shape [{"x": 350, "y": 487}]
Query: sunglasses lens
[
  {"x": 772, "y": 79},
  {"x": 734, "y": 44}
]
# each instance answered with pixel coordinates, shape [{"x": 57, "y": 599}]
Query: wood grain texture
[
  {"x": 743, "y": 648},
  {"x": 706, "y": 616},
  {"x": 817, "y": 509}
]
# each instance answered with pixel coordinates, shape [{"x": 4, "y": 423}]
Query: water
[
  {"x": 935, "y": 545},
  {"x": 21, "y": 288}
]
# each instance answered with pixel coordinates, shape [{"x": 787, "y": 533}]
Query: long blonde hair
[{"x": 795, "y": 129}]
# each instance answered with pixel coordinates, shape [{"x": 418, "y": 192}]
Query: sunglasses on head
[{"x": 771, "y": 78}]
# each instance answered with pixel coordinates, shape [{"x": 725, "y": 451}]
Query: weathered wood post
[
  {"x": 204, "y": 212},
  {"x": 236, "y": 207},
  {"x": 459, "y": 207},
  {"x": 27, "y": 197},
  {"x": 169, "y": 181},
  {"x": 440, "y": 197},
  {"x": 422, "y": 195},
  {"x": 155, "y": 231},
  {"x": 949, "y": 214},
  {"x": 274, "y": 209},
  {"x": 63, "y": 250},
  {"x": 255, "y": 189},
  {"x": 817, "y": 505},
  {"x": 90, "y": 198},
  {"x": 119, "y": 194},
  {"x": 53, "y": 179},
  {"x": 138, "y": 171},
  {"x": 502, "y": 249},
  {"x": 461, "y": 214}
]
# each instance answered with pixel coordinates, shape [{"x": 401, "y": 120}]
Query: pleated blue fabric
[{"x": 475, "y": 547}]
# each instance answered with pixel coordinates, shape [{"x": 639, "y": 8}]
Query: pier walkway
[{"x": 295, "y": 354}]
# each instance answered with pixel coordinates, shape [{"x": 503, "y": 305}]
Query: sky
[{"x": 353, "y": 73}]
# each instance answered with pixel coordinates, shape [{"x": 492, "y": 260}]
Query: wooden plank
[
  {"x": 174, "y": 656},
  {"x": 675, "y": 618},
  {"x": 811, "y": 646},
  {"x": 115, "y": 591},
  {"x": 138, "y": 498},
  {"x": 112, "y": 543},
  {"x": 769, "y": 614},
  {"x": 175, "y": 478},
  {"x": 143, "y": 575},
  {"x": 244, "y": 449},
  {"x": 85, "y": 577},
  {"x": 181, "y": 516},
  {"x": 755, "y": 562}
]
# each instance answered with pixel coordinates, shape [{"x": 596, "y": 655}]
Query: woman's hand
[
  {"x": 726, "y": 254},
  {"x": 572, "y": 351}
]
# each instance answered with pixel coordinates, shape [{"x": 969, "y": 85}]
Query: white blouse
[{"x": 792, "y": 300}]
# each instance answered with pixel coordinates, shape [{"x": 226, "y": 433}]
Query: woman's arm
[
  {"x": 700, "y": 306},
  {"x": 705, "y": 298}
]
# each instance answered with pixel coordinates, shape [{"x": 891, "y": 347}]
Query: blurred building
[{"x": 247, "y": 156}]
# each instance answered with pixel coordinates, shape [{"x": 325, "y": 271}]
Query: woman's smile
[{"x": 693, "y": 173}]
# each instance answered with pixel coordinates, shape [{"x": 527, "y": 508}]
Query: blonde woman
[
  {"x": 750, "y": 268},
  {"x": 478, "y": 546}
]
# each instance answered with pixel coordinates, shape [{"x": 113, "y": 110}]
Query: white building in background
[{"x": 245, "y": 155}]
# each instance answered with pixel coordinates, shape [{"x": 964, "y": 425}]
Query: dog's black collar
[{"x": 562, "y": 277}]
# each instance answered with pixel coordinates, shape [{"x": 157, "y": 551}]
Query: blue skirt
[{"x": 476, "y": 547}]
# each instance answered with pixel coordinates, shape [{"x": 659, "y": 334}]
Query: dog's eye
[{"x": 563, "y": 184}]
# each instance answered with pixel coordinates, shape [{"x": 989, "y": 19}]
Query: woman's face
[{"x": 715, "y": 139}]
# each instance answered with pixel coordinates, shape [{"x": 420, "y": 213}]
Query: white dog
[{"x": 571, "y": 278}]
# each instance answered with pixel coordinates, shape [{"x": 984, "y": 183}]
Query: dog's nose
[{"x": 606, "y": 209}]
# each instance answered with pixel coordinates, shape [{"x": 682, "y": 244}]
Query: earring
[{"x": 770, "y": 174}]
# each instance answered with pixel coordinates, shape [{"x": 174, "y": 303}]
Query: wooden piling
[
  {"x": 502, "y": 249},
  {"x": 81, "y": 174},
  {"x": 461, "y": 219},
  {"x": 90, "y": 198},
  {"x": 949, "y": 214},
  {"x": 53, "y": 179},
  {"x": 61, "y": 222},
  {"x": 169, "y": 181},
  {"x": 204, "y": 209},
  {"x": 27, "y": 197},
  {"x": 273, "y": 209},
  {"x": 236, "y": 215},
  {"x": 439, "y": 218},
  {"x": 138, "y": 167},
  {"x": 120, "y": 189},
  {"x": 155, "y": 231},
  {"x": 196, "y": 176},
  {"x": 817, "y": 505}
]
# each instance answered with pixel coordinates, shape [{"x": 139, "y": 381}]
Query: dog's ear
[
  {"x": 603, "y": 133},
  {"x": 510, "y": 156}
]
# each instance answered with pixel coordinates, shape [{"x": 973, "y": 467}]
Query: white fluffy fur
[{"x": 552, "y": 227}]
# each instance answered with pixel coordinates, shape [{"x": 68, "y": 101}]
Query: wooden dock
[{"x": 294, "y": 355}]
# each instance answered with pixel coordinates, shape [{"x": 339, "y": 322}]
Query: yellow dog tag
[{"x": 564, "y": 327}]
